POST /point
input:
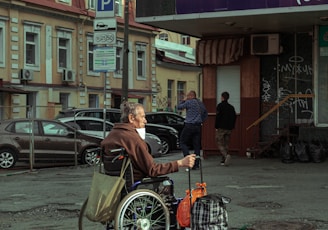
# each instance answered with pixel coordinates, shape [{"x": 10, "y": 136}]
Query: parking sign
[{"x": 105, "y": 9}]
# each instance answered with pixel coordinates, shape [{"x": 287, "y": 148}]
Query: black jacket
[{"x": 225, "y": 116}]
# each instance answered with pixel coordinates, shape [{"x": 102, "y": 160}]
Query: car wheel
[
  {"x": 8, "y": 158},
  {"x": 90, "y": 157},
  {"x": 166, "y": 145}
]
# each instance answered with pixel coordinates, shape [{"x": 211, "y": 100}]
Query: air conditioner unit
[
  {"x": 265, "y": 44},
  {"x": 26, "y": 74},
  {"x": 68, "y": 75}
]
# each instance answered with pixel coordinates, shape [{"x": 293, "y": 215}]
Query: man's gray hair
[{"x": 128, "y": 108}]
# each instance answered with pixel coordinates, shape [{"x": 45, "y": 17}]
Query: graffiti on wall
[
  {"x": 290, "y": 74},
  {"x": 299, "y": 2}
]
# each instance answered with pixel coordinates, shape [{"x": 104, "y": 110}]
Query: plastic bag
[
  {"x": 184, "y": 208},
  {"x": 301, "y": 151}
]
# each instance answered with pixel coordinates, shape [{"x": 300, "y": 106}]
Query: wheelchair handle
[{"x": 120, "y": 156}]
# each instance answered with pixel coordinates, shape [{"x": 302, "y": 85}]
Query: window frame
[
  {"x": 2, "y": 43},
  {"x": 90, "y": 72},
  {"x": 119, "y": 59},
  {"x": 141, "y": 48},
  {"x": 163, "y": 36},
  {"x": 170, "y": 88},
  {"x": 92, "y": 4},
  {"x": 185, "y": 40},
  {"x": 35, "y": 30},
  {"x": 93, "y": 100},
  {"x": 181, "y": 91},
  {"x": 67, "y": 35},
  {"x": 118, "y": 7}
]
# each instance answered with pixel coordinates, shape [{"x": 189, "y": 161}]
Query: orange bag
[{"x": 183, "y": 211}]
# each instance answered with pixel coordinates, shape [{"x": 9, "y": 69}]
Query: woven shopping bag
[
  {"x": 105, "y": 195},
  {"x": 209, "y": 213}
]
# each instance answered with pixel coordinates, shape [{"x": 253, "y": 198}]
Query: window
[
  {"x": 169, "y": 93},
  {"x": 164, "y": 36},
  {"x": 90, "y": 56},
  {"x": 185, "y": 39},
  {"x": 2, "y": 44},
  {"x": 93, "y": 100},
  {"x": 32, "y": 45},
  {"x": 26, "y": 127},
  {"x": 181, "y": 91},
  {"x": 64, "y": 44},
  {"x": 92, "y": 4},
  {"x": 141, "y": 61},
  {"x": 119, "y": 59},
  {"x": 52, "y": 128},
  {"x": 118, "y": 8},
  {"x": 228, "y": 79},
  {"x": 90, "y": 50},
  {"x": 63, "y": 100},
  {"x": 65, "y": 1}
]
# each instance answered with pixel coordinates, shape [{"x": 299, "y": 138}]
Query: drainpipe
[{"x": 200, "y": 76}]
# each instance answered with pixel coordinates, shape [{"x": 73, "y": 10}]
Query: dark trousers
[{"x": 191, "y": 134}]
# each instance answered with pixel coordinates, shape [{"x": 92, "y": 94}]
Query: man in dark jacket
[
  {"x": 130, "y": 134},
  {"x": 224, "y": 124}
]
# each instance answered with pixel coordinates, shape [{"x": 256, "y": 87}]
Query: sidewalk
[{"x": 266, "y": 194}]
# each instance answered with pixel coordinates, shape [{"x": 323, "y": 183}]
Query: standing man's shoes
[
  {"x": 227, "y": 160},
  {"x": 222, "y": 161}
]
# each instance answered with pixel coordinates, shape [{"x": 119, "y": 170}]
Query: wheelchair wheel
[
  {"x": 142, "y": 209},
  {"x": 86, "y": 224}
]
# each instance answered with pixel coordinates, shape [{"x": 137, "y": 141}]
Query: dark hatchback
[
  {"x": 53, "y": 142},
  {"x": 166, "y": 118}
]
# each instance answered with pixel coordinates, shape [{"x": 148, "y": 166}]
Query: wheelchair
[{"x": 148, "y": 204}]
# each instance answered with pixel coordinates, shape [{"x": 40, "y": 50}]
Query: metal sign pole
[
  {"x": 125, "y": 79},
  {"x": 105, "y": 105}
]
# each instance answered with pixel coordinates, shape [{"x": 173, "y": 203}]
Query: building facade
[
  {"x": 47, "y": 56},
  {"x": 270, "y": 59},
  {"x": 176, "y": 69}
]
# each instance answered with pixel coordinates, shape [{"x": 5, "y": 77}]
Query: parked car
[
  {"x": 53, "y": 142},
  {"x": 168, "y": 135},
  {"x": 95, "y": 126},
  {"x": 112, "y": 114},
  {"x": 166, "y": 118}
]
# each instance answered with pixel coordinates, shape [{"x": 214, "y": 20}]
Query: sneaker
[
  {"x": 227, "y": 160},
  {"x": 222, "y": 161}
]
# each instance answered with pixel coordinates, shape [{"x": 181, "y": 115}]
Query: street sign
[
  {"x": 104, "y": 37},
  {"x": 104, "y": 59},
  {"x": 104, "y": 31},
  {"x": 104, "y": 24},
  {"x": 105, "y": 9}
]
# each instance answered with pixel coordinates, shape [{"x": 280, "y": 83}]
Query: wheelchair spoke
[{"x": 142, "y": 209}]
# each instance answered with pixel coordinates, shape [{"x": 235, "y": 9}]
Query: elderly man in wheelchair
[{"x": 148, "y": 201}]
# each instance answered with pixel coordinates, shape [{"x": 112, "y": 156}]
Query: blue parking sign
[{"x": 105, "y": 9}]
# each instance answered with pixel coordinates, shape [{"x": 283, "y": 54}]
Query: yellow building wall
[{"x": 192, "y": 82}]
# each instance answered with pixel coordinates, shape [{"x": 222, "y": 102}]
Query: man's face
[{"x": 139, "y": 121}]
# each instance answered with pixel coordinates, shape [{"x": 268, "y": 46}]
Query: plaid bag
[{"x": 209, "y": 213}]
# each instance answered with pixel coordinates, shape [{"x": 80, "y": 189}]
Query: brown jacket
[{"x": 126, "y": 136}]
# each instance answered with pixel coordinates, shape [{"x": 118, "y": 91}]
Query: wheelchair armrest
[{"x": 151, "y": 180}]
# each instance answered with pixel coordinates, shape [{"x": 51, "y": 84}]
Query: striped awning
[{"x": 219, "y": 51}]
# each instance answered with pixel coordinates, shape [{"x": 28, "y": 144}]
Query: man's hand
[{"x": 187, "y": 161}]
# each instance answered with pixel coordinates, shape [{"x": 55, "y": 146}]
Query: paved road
[{"x": 266, "y": 194}]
